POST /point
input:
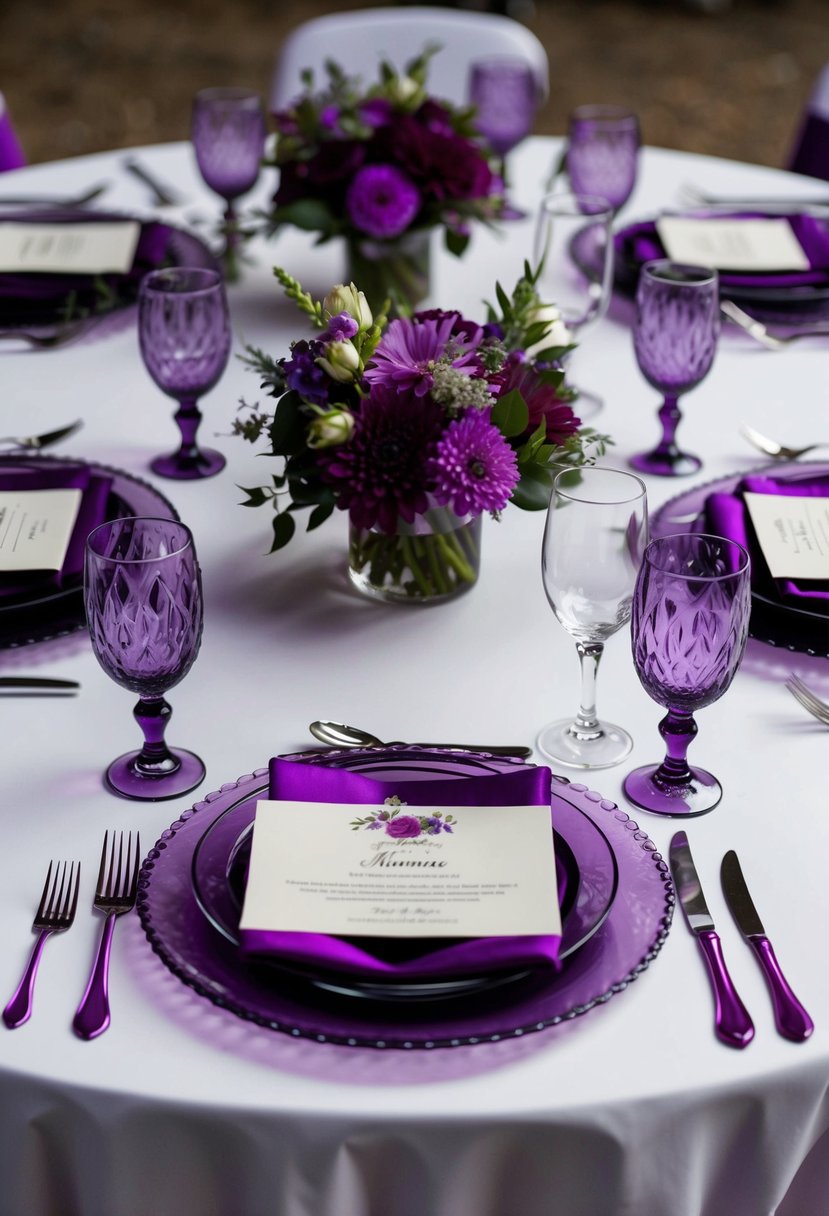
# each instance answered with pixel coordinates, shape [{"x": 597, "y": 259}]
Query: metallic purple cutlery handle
[
  {"x": 92, "y": 1017},
  {"x": 790, "y": 1018},
  {"x": 732, "y": 1023},
  {"x": 19, "y": 1008}
]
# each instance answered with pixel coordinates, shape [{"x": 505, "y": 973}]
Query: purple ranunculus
[
  {"x": 381, "y": 201},
  {"x": 304, "y": 375},
  {"x": 443, "y": 165},
  {"x": 403, "y": 827},
  {"x": 474, "y": 468},
  {"x": 542, "y": 401}
]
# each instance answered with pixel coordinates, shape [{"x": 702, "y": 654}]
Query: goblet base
[
  {"x": 563, "y": 743},
  {"x": 644, "y": 789},
  {"x": 665, "y": 464},
  {"x": 183, "y": 775},
  {"x": 206, "y": 463}
]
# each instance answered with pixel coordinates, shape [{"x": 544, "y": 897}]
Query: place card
[
  {"x": 36, "y": 527},
  {"x": 107, "y": 247},
  {"x": 751, "y": 245},
  {"x": 399, "y": 871},
  {"x": 793, "y": 533}
]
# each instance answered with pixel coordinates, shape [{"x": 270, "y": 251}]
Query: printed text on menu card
[
  {"x": 400, "y": 871},
  {"x": 36, "y": 527},
  {"x": 754, "y": 246},
  {"x": 93, "y": 248},
  {"x": 793, "y": 533}
]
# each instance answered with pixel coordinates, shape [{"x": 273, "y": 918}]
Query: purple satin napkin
[
  {"x": 95, "y": 488},
  {"x": 391, "y": 958},
  {"x": 727, "y": 515},
  {"x": 640, "y": 243}
]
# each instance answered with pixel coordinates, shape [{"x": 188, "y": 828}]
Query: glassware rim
[
  {"x": 188, "y": 541},
  {"x": 603, "y": 113},
  {"x": 151, "y": 282},
  {"x": 658, "y": 541},
  {"x": 505, "y": 61},
  {"x": 655, "y": 270},
  {"x": 599, "y": 502},
  {"x": 603, "y": 212},
  {"x": 237, "y": 93}
]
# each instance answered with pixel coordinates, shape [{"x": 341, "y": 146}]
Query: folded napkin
[
  {"x": 640, "y": 243},
  {"x": 32, "y": 299},
  {"x": 727, "y": 515},
  {"x": 392, "y": 958},
  {"x": 95, "y": 489}
]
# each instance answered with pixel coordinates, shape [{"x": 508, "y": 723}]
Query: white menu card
[
  {"x": 36, "y": 527},
  {"x": 399, "y": 871},
  {"x": 107, "y": 247},
  {"x": 793, "y": 533},
  {"x": 752, "y": 245}
]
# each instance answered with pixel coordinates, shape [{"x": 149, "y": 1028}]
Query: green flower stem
[
  {"x": 451, "y": 550},
  {"x": 438, "y": 575},
  {"x": 407, "y": 550}
]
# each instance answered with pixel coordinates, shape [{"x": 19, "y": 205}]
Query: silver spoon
[
  {"x": 757, "y": 330},
  {"x": 338, "y": 735}
]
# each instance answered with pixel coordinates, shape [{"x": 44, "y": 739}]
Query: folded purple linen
[
  {"x": 727, "y": 515},
  {"x": 95, "y": 488},
  {"x": 394, "y": 958}
]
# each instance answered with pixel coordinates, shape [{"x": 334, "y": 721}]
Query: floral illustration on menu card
[{"x": 397, "y": 823}]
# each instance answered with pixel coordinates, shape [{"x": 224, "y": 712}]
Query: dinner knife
[
  {"x": 732, "y": 1023},
  {"x": 38, "y": 684},
  {"x": 790, "y": 1018}
]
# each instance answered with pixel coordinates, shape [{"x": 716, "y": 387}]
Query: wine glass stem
[
  {"x": 586, "y": 724},
  {"x": 188, "y": 416},
  {"x": 678, "y": 730},
  {"x": 669, "y": 417},
  {"x": 155, "y": 757}
]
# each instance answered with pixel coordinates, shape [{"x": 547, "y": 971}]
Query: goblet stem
[
  {"x": 233, "y": 241},
  {"x": 669, "y": 418},
  {"x": 188, "y": 416},
  {"x": 155, "y": 758},
  {"x": 586, "y": 724},
  {"x": 679, "y": 731},
  {"x": 666, "y": 459}
]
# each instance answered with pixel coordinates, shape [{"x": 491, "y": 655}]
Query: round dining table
[{"x": 629, "y": 1106}]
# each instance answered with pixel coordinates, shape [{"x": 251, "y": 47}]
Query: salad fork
[
  {"x": 810, "y": 701},
  {"x": 34, "y": 443},
  {"x": 777, "y": 451},
  {"x": 114, "y": 895},
  {"x": 55, "y": 913},
  {"x": 757, "y": 330}
]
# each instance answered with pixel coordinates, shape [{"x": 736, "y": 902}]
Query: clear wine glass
[
  {"x": 228, "y": 133},
  {"x": 675, "y": 339},
  {"x": 142, "y": 589},
  {"x": 603, "y": 152},
  {"x": 184, "y": 335},
  {"x": 504, "y": 91},
  {"x": 596, "y": 532},
  {"x": 574, "y": 248},
  {"x": 689, "y": 628}
]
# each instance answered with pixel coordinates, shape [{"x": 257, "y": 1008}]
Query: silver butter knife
[
  {"x": 790, "y": 1018},
  {"x": 732, "y": 1023}
]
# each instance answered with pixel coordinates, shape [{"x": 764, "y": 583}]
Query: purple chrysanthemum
[
  {"x": 304, "y": 375},
  {"x": 474, "y": 468},
  {"x": 380, "y": 474},
  {"x": 408, "y": 351},
  {"x": 382, "y": 201}
]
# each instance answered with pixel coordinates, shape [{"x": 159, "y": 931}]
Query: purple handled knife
[
  {"x": 732, "y": 1023},
  {"x": 790, "y": 1018}
]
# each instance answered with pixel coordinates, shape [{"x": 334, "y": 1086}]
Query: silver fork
[
  {"x": 163, "y": 194},
  {"x": 757, "y": 330},
  {"x": 114, "y": 895},
  {"x": 55, "y": 914},
  {"x": 808, "y": 699},
  {"x": 777, "y": 451},
  {"x": 34, "y": 443}
]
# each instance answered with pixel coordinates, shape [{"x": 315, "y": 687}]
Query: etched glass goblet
[
  {"x": 675, "y": 338},
  {"x": 184, "y": 335},
  {"x": 689, "y": 628},
  {"x": 603, "y": 152},
  {"x": 142, "y": 589},
  {"x": 504, "y": 91},
  {"x": 596, "y": 532},
  {"x": 228, "y": 134}
]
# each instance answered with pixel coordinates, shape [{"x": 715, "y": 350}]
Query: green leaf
[
  {"x": 455, "y": 242},
  {"x": 257, "y": 495},
  {"x": 533, "y": 490},
  {"x": 320, "y": 514},
  {"x": 504, "y": 302},
  {"x": 284, "y": 527},
  {"x": 310, "y": 214},
  {"x": 510, "y": 414},
  {"x": 287, "y": 431}
]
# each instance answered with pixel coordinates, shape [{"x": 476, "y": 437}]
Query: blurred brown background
[{"x": 87, "y": 75}]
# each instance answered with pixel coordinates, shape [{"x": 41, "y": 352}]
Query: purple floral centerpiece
[
  {"x": 382, "y": 167},
  {"x": 416, "y": 427}
]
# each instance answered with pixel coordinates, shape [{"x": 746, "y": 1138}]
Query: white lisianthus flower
[
  {"x": 402, "y": 89},
  {"x": 340, "y": 361},
  {"x": 557, "y": 334},
  {"x": 330, "y": 429},
  {"x": 347, "y": 298}
]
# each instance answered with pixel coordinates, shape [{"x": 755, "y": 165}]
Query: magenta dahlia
[{"x": 474, "y": 468}]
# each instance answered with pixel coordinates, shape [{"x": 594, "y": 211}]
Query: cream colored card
[
  {"x": 793, "y": 533},
  {"x": 754, "y": 246},
  {"x": 395, "y": 871},
  {"x": 36, "y": 527},
  {"x": 94, "y": 248}
]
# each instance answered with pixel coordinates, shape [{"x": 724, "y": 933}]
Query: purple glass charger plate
[
  {"x": 621, "y": 948},
  {"x": 773, "y": 620},
  {"x": 47, "y": 611}
]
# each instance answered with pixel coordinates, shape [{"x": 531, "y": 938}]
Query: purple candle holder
[
  {"x": 689, "y": 628},
  {"x": 184, "y": 335},
  {"x": 504, "y": 91},
  {"x": 675, "y": 339},
  {"x": 603, "y": 152},
  {"x": 142, "y": 590}
]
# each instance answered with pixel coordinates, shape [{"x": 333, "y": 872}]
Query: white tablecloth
[{"x": 181, "y": 1108}]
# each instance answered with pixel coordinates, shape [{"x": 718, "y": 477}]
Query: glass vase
[
  {"x": 434, "y": 559},
  {"x": 398, "y": 270}
]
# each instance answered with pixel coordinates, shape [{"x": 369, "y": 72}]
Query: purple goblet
[
  {"x": 228, "y": 134},
  {"x": 504, "y": 92},
  {"x": 142, "y": 589},
  {"x": 689, "y": 627},
  {"x": 675, "y": 337},
  {"x": 184, "y": 334},
  {"x": 602, "y": 152}
]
